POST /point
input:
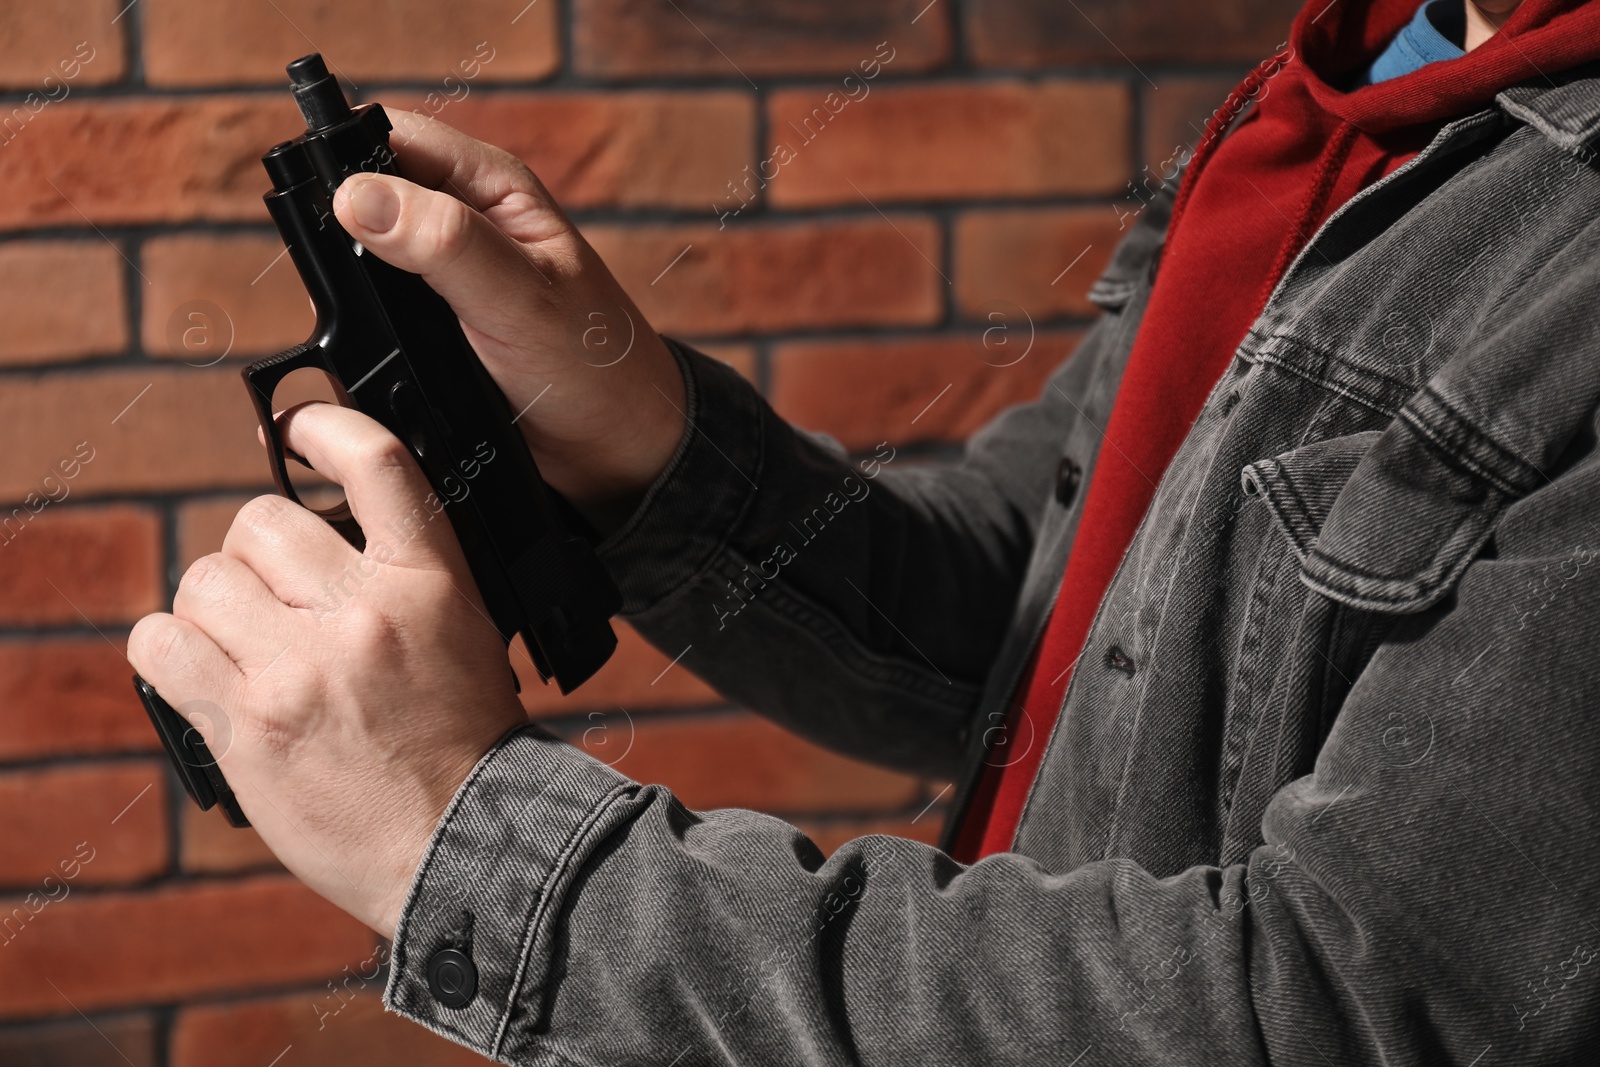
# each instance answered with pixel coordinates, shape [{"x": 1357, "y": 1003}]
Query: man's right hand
[{"x": 541, "y": 310}]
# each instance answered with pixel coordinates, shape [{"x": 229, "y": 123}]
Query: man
[{"x": 1262, "y": 645}]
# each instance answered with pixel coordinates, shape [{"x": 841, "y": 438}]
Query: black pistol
[{"x": 393, "y": 349}]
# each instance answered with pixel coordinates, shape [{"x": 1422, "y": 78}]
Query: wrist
[
  {"x": 606, "y": 476},
  {"x": 430, "y": 796}
]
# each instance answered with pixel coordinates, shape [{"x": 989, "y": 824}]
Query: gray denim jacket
[{"x": 1325, "y": 788}]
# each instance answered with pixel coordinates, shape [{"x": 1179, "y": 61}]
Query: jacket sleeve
[
  {"x": 797, "y": 581},
  {"x": 820, "y": 591},
  {"x": 1422, "y": 897}
]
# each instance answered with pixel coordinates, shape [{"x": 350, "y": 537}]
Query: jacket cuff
[
  {"x": 474, "y": 936},
  {"x": 688, "y": 514}
]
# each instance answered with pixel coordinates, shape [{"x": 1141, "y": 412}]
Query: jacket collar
[{"x": 1564, "y": 107}]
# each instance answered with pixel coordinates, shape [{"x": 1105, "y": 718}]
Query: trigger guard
[{"x": 263, "y": 377}]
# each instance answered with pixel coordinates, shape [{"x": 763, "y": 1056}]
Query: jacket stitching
[
  {"x": 1447, "y": 451},
  {"x": 1285, "y": 522},
  {"x": 542, "y": 898},
  {"x": 1282, "y": 340},
  {"x": 1350, "y": 393},
  {"x": 1236, "y": 750},
  {"x": 1426, "y": 580},
  {"x": 1306, "y": 536},
  {"x": 1200, "y": 479},
  {"x": 1476, "y": 434}
]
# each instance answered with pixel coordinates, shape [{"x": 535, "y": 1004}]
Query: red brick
[
  {"x": 209, "y": 845},
  {"x": 60, "y": 823},
  {"x": 145, "y": 160},
  {"x": 741, "y": 358},
  {"x": 42, "y": 40},
  {"x": 1040, "y": 260},
  {"x": 102, "y": 561},
  {"x": 1040, "y": 33},
  {"x": 190, "y": 429},
  {"x": 105, "y": 1042},
  {"x": 741, "y": 761},
  {"x": 69, "y": 697},
  {"x": 635, "y": 679},
  {"x": 749, "y": 277},
  {"x": 172, "y": 943},
  {"x": 209, "y": 295},
  {"x": 344, "y": 1027},
  {"x": 1176, "y": 116},
  {"x": 61, "y": 300},
  {"x": 196, "y": 42},
  {"x": 829, "y": 834},
  {"x": 993, "y": 139},
  {"x": 863, "y": 392},
  {"x": 202, "y": 525},
  {"x": 597, "y": 150},
  {"x": 637, "y": 38}
]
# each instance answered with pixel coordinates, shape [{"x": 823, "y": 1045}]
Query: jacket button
[
  {"x": 452, "y": 978},
  {"x": 1068, "y": 476}
]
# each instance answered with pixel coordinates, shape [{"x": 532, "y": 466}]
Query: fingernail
[{"x": 374, "y": 205}]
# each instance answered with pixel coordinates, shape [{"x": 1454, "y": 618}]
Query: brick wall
[{"x": 858, "y": 203}]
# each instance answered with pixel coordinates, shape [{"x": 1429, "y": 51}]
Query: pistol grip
[
  {"x": 198, "y": 771},
  {"x": 263, "y": 377}
]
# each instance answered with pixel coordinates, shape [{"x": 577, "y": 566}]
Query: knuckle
[
  {"x": 446, "y": 232},
  {"x": 517, "y": 173},
  {"x": 380, "y": 449},
  {"x": 206, "y": 576},
  {"x": 261, "y": 515},
  {"x": 157, "y": 641}
]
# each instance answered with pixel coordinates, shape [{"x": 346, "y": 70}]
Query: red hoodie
[{"x": 1305, "y": 149}]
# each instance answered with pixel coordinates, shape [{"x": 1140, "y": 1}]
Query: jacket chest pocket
[
  {"x": 1377, "y": 525},
  {"x": 1380, "y": 521}
]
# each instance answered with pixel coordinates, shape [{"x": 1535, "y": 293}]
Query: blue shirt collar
[{"x": 1427, "y": 38}]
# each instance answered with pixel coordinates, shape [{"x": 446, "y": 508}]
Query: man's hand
[
  {"x": 346, "y": 695},
  {"x": 542, "y": 311}
]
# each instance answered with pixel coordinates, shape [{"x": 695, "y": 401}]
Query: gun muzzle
[{"x": 317, "y": 92}]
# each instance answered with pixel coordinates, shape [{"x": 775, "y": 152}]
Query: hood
[{"x": 1337, "y": 40}]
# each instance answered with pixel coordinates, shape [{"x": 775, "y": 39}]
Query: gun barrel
[{"x": 321, "y": 101}]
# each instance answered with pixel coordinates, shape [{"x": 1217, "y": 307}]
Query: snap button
[
  {"x": 452, "y": 978},
  {"x": 1068, "y": 476}
]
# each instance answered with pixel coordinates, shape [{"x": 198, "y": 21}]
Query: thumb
[{"x": 481, "y": 272}]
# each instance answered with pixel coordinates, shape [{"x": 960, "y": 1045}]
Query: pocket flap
[
  {"x": 1381, "y": 521},
  {"x": 1301, "y": 485}
]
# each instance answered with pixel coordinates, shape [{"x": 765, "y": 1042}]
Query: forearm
[
  {"x": 613, "y": 926},
  {"x": 798, "y": 580},
  {"x": 608, "y": 924}
]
